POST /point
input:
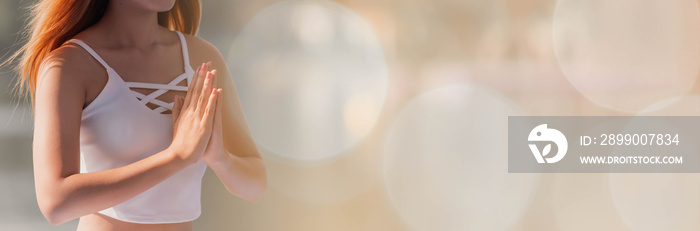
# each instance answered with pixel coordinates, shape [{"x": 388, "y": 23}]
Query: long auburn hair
[{"x": 53, "y": 22}]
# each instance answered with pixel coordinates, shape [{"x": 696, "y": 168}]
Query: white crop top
[{"x": 117, "y": 129}]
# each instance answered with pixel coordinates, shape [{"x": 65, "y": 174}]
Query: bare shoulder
[
  {"x": 200, "y": 46},
  {"x": 69, "y": 62},
  {"x": 202, "y": 51},
  {"x": 72, "y": 70}
]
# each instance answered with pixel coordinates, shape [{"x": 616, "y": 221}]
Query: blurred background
[{"x": 392, "y": 115}]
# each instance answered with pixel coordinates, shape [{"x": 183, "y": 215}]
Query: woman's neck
[{"x": 126, "y": 26}]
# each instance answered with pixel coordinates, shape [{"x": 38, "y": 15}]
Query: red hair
[{"x": 53, "y": 22}]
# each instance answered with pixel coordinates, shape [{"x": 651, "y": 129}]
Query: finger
[
  {"x": 206, "y": 92},
  {"x": 197, "y": 86},
  {"x": 190, "y": 89},
  {"x": 209, "y": 69},
  {"x": 219, "y": 102},
  {"x": 177, "y": 106},
  {"x": 211, "y": 105},
  {"x": 214, "y": 77}
]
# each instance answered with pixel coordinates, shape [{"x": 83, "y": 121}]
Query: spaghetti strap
[
  {"x": 185, "y": 52},
  {"x": 91, "y": 51},
  {"x": 158, "y": 87}
]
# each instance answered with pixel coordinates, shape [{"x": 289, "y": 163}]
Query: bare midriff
[{"x": 99, "y": 222}]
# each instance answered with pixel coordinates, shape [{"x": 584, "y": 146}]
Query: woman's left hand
[{"x": 215, "y": 148}]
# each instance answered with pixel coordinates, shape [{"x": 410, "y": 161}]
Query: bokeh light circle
[
  {"x": 628, "y": 54},
  {"x": 311, "y": 77},
  {"x": 660, "y": 201},
  {"x": 446, "y": 165}
]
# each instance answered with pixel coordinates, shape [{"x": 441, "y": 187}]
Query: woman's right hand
[{"x": 193, "y": 116}]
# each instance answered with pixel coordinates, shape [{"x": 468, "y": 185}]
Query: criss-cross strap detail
[
  {"x": 163, "y": 106},
  {"x": 160, "y": 89}
]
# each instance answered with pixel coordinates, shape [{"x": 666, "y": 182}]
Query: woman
[{"x": 119, "y": 142}]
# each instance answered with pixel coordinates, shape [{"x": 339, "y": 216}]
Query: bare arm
[
  {"x": 241, "y": 169},
  {"x": 231, "y": 152},
  {"x": 63, "y": 193}
]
